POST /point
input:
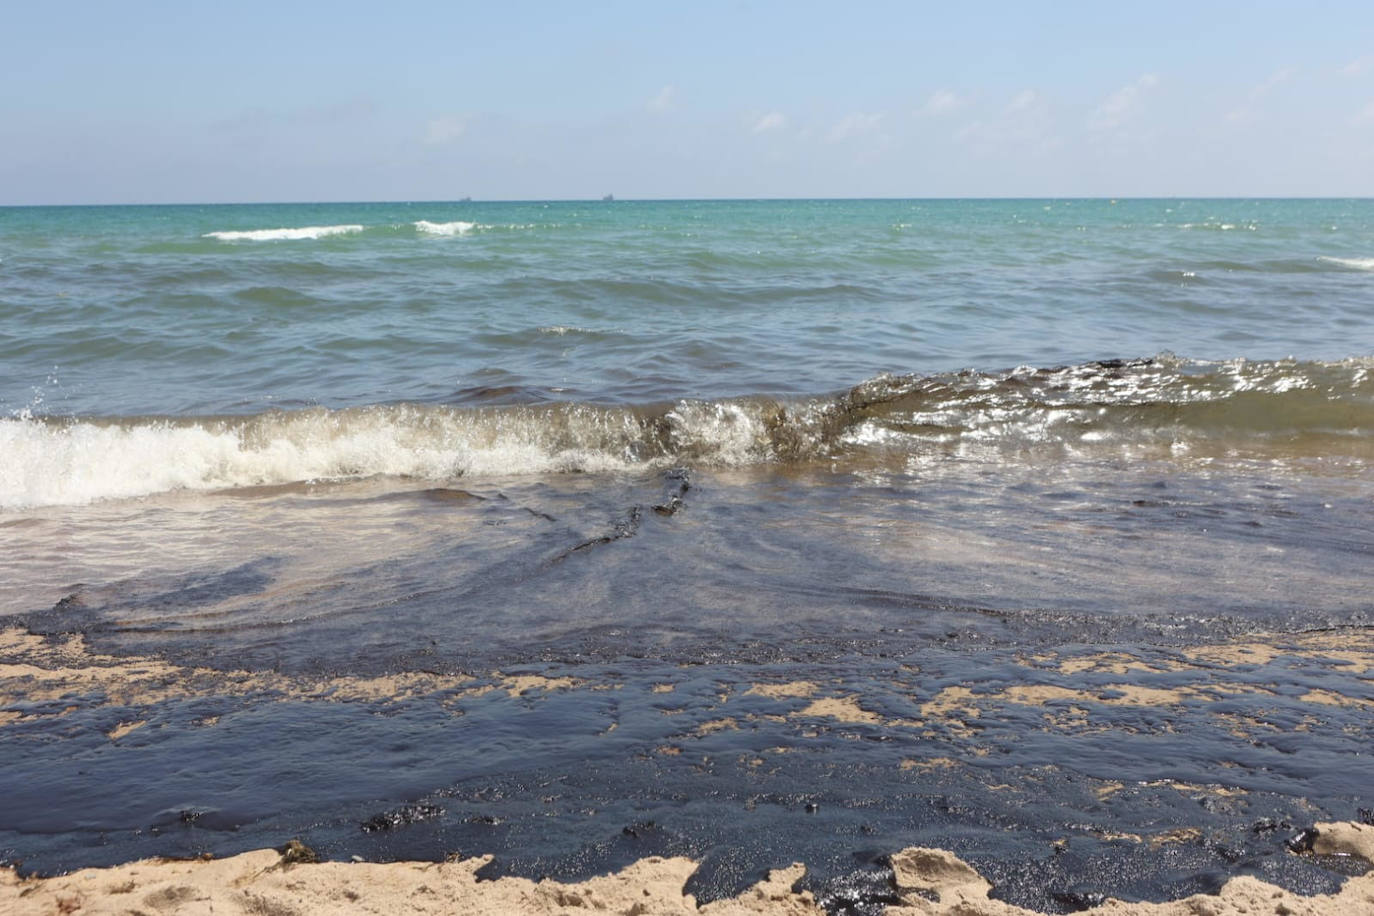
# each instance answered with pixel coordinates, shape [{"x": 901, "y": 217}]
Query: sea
[{"x": 619, "y": 439}]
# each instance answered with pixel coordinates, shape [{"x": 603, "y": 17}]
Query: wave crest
[
  {"x": 457, "y": 227},
  {"x": 64, "y": 462},
  {"x": 1353, "y": 263},
  {"x": 276, "y": 235},
  {"x": 1162, "y": 408}
]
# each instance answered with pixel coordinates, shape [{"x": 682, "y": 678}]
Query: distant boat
[
  {"x": 465, "y": 200},
  {"x": 609, "y": 197}
]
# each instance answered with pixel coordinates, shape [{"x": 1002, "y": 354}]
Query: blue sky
[{"x": 249, "y": 101}]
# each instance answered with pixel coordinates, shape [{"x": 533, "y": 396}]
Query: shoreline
[{"x": 925, "y": 882}]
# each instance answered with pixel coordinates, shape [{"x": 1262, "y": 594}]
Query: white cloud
[
  {"x": 1023, "y": 101},
  {"x": 445, "y": 129},
  {"x": 1026, "y": 125},
  {"x": 1118, "y": 108},
  {"x": 1278, "y": 77},
  {"x": 1359, "y": 66},
  {"x": 852, "y": 125},
  {"x": 774, "y": 120},
  {"x": 1364, "y": 116},
  {"x": 664, "y": 100},
  {"x": 1245, "y": 111},
  {"x": 941, "y": 101}
]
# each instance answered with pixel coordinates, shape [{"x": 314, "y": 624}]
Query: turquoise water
[
  {"x": 619, "y": 312},
  {"x": 141, "y": 310}
]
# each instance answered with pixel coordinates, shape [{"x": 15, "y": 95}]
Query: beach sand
[{"x": 930, "y": 882}]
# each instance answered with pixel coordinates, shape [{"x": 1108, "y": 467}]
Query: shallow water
[{"x": 356, "y": 577}]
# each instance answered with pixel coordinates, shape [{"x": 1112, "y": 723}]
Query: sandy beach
[
  {"x": 779, "y": 726},
  {"x": 928, "y": 882}
]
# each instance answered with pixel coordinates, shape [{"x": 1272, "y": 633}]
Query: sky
[{"x": 184, "y": 102}]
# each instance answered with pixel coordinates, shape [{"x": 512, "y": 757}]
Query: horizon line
[{"x": 603, "y": 200}]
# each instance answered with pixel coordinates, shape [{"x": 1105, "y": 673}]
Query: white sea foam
[
  {"x": 458, "y": 227},
  {"x": 77, "y": 462},
  {"x": 1233, "y": 405},
  {"x": 1355, "y": 263},
  {"x": 274, "y": 235},
  {"x": 1220, "y": 226}
]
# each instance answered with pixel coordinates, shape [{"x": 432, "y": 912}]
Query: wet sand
[{"x": 1064, "y": 777}]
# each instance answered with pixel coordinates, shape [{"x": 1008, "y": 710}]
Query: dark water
[{"x": 319, "y": 499}]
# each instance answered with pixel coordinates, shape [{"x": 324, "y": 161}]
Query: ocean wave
[
  {"x": 274, "y": 235},
  {"x": 1160, "y": 408},
  {"x": 561, "y": 330},
  {"x": 1219, "y": 226},
  {"x": 457, "y": 227},
  {"x": 65, "y": 462},
  {"x": 1355, "y": 263}
]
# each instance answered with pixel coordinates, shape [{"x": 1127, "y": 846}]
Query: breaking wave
[
  {"x": 458, "y": 227},
  {"x": 1161, "y": 408},
  {"x": 275, "y": 235},
  {"x": 1354, "y": 263}
]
